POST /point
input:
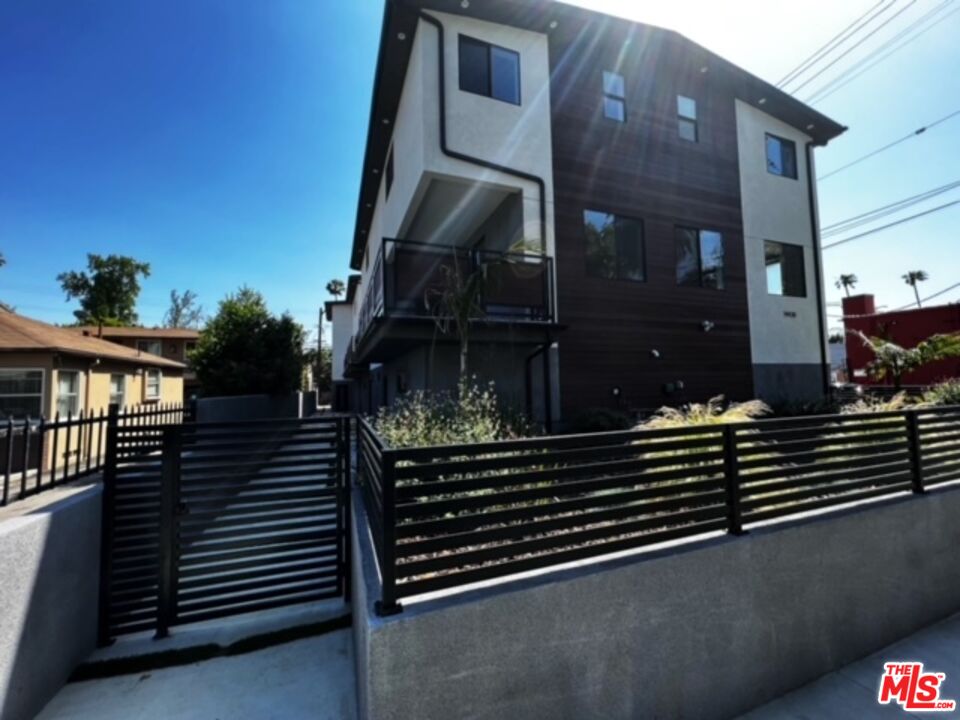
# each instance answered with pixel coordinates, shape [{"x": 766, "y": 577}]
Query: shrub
[
  {"x": 945, "y": 393},
  {"x": 600, "y": 420},
  {"x": 872, "y": 404},
  {"x": 711, "y": 412},
  {"x": 419, "y": 418}
]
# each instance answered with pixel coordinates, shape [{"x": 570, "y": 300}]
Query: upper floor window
[
  {"x": 154, "y": 347},
  {"x": 700, "y": 258},
  {"x": 785, "y": 270},
  {"x": 615, "y": 246},
  {"x": 489, "y": 70},
  {"x": 389, "y": 174},
  {"x": 21, "y": 393},
  {"x": 614, "y": 97},
  {"x": 781, "y": 156},
  {"x": 687, "y": 118},
  {"x": 68, "y": 392}
]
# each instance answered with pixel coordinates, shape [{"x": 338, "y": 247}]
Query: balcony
[{"x": 408, "y": 280}]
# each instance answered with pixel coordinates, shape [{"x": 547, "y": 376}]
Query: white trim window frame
[
  {"x": 118, "y": 396},
  {"x": 148, "y": 394},
  {"x": 73, "y": 395},
  {"x": 25, "y": 371},
  {"x": 154, "y": 347}
]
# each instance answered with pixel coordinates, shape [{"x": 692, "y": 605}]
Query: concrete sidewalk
[
  {"x": 851, "y": 692},
  {"x": 309, "y": 678}
]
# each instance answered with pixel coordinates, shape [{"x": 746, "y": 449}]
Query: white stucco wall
[
  {"x": 341, "y": 321},
  {"x": 496, "y": 131},
  {"x": 776, "y": 208}
]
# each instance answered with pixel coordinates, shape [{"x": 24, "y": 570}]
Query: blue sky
[{"x": 221, "y": 140}]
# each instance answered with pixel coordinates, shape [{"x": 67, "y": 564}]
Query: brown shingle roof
[
  {"x": 139, "y": 332},
  {"x": 21, "y": 334}
]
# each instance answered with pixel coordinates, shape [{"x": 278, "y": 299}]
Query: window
[
  {"x": 614, "y": 97},
  {"x": 118, "y": 389},
  {"x": 785, "y": 270},
  {"x": 699, "y": 258},
  {"x": 489, "y": 70},
  {"x": 21, "y": 393},
  {"x": 615, "y": 246},
  {"x": 687, "y": 118},
  {"x": 68, "y": 392},
  {"x": 151, "y": 385},
  {"x": 389, "y": 173},
  {"x": 781, "y": 157},
  {"x": 154, "y": 347}
]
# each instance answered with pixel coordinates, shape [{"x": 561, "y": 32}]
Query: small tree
[
  {"x": 846, "y": 282},
  {"x": 892, "y": 360},
  {"x": 244, "y": 350},
  {"x": 455, "y": 302},
  {"x": 108, "y": 291},
  {"x": 184, "y": 312},
  {"x": 912, "y": 278},
  {"x": 336, "y": 288}
]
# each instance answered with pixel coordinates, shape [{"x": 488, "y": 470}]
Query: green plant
[
  {"x": 245, "y": 350},
  {"x": 469, "y": 415},
  {"x": 872, "y": 404},
  {"x": 912, "y": 278},
  {"x": 711, "y": 412},
  {"x": 336, "y": 288},
  {"x": 184, "y": 312},
  {"x": 944, "y": 393},
  {"x": 845, "y": 282},
  {"x": 108, "y": 291},
  {"x": 892, "y": 360},
  {"x": 455, "y": 302}
]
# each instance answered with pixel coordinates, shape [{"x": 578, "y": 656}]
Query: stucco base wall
[
  {"x": 788, "y": 382},
  {"x": 49, "y": 585},
  {"x": 705, "y": 630}
]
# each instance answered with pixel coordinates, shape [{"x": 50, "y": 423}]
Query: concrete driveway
[
  {"x": 851, "y": 692},
  {"x": 310, "y": 678}
]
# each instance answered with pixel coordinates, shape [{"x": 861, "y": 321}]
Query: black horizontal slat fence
[{"x": 449, "y": 516}]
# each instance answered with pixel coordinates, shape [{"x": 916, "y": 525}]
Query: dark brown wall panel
[{"x": 643, "y": 169}]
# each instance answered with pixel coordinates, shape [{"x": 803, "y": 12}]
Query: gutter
[
  {"x": 444, "y": 148},
  {"x": 821, "y": 300}
]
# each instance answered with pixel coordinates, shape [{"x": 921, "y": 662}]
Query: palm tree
[
  {"x": 335, "y": 287},
  {"x": 912, "y": 278},
  {"x": 846, "y": 282}
]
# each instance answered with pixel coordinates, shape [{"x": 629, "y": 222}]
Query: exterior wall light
[
  {"x": 655, "y": 354},
  {"x": 707, "y": 325}
]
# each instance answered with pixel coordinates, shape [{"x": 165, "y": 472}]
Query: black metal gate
[{"x": 207, "y": 520}]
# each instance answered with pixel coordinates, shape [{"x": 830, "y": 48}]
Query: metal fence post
[
  {"x": 731, "y": 468},
  {"x": 388, "y": 605},
  {"x": 169, "y": 501},
  {"x": 346, "y": 506},
  {"x": 107, "y": 515},
  {"x": 916, "y": 452}
]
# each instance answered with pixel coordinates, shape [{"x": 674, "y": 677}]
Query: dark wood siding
[{"x": 643, "y": 169}]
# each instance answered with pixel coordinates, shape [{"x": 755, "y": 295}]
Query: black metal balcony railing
[{"x": 407, "y": 277}]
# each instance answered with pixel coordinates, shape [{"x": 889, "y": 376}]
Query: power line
[
  {"x": 929, "y": 297},
  {"x": 853, "y": 47},
  {"x": 838, "y": 81},
  {"x": 918, "y": 131},
  {"x": 820, "y": 95},
  {"x": 893, "y": 224},
  {"x": 884, "y": 210},
  {"x": 831, "y": 43}
]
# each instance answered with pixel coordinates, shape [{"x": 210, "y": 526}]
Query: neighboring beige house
[
  {"x": 47, "y": 370},
  {"x": 170, "y": 343}
]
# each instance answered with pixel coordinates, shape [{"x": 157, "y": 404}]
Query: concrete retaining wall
[
  {"x": 49, "y": 584},
  {"x": 705, "y": 630},
  {"x": 256, "y": 407}
]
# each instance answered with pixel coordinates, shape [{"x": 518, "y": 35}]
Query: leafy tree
[
  {"x": 892, "y": 360},
  {"x": 336, "y": 288},
  {"x": 323, "y": 368},
  {"x": 184, "y": 311},
  {"x": 108, "y": 291},
  {"x": 245, "y": 350},
  {"x": 846, "y": 282},
  {"x": 912, "y": 278},
  {"x": 3, "y": 260}
]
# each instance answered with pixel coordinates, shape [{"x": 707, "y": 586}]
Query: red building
[{"x": 904, "y": 327}]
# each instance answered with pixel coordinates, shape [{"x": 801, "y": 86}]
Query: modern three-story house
[{"x": 640, "y": 216}]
